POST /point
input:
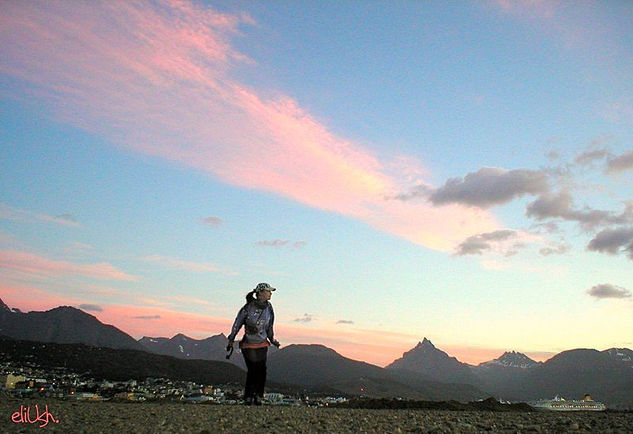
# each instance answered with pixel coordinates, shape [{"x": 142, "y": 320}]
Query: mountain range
[{"x": 424, "y": 372}]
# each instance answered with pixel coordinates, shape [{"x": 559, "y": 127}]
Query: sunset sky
[{"x": 460, "y": 171}]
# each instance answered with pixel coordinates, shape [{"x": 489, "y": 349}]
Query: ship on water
[{"x": 561, "y": 404}]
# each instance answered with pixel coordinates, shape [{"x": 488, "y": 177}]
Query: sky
[{"x": 459, "y": 171}]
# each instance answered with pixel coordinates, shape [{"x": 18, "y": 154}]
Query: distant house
[
  {"x": 87, "y": 396},
  {"x": 13, "y": 380}
]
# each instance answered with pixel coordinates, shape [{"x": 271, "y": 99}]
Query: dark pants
[{"x": 255, "y": 359}]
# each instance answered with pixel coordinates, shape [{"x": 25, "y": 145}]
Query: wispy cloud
[
  {"x": 607, "y": 290},
  {"x": 345, "y": 321},
  {"x": 16, "y": 214},
  {"x": 168, "y": 66},
  {"x": 555, "y": 250},
  {"x": 39, "y": 265},
  {"x": 305, "y": 318},
  {"x": 560, "y": 205},
  {"x": 77, "y": 246},
  {"x": 91, "y": 307},
  {"x": 476, "y": 244},
  {"x": 281, "y": 243},
  {"x": 212, "y": 221},
  {"x": 614, "y": 163},
  {"x": 589, "y": 157},
  {"x": 272, "y": 243},
  {"x": 181, "y": 264},
  {"x": 147, "y": 317},
  {"x": 620, "y": 163},
  {"x": 173, "y": 301},
  {"x": 506, "y": 242}
]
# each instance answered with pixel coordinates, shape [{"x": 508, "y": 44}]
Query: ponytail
[{"x": 250, "y": 296}]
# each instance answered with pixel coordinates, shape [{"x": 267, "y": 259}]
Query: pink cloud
[
  {"x": 181, "y": 264},
  {"x": 157, "y": 77},
  {"x": 33, "y": 264}
]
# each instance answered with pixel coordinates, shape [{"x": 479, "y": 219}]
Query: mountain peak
[
  {"x": 425, "y": 344},
  {"x": 69, "y": 310},
  {"x": 181, "y": 337},
  {"x": 4, "y": 307},
  {"x": 512, "y": 359},
  {"x": 434, "y": 363}
]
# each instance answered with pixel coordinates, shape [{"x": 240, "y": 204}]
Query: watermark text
[{"x": 27, "y": 415}]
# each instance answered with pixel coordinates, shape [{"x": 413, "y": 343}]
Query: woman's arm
[
  {"x": 269, "y": 331},
  {"x": 237, "y": 325}
]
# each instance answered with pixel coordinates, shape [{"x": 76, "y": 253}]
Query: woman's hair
[{"x": 251, "y": 296}]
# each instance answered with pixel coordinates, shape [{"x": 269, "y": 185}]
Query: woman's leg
[
  {"x": 260, "y": 370},
  {"x": 251, "y": 369}
]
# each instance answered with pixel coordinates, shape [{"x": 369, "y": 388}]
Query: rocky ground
[{"x": 110, "y": 417}]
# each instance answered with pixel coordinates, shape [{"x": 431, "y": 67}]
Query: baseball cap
[{"x": 264, "y": 287}]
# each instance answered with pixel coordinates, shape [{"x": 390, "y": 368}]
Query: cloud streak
[
  {"x": 305, "y": 318},
  {"x": 589, "y": 157},
  {"x": 478, "y": 244},
  {"x": 560, "y": 205},
  {"x": 281, "y": 243},
  {"x": 607, "y": 290},
  {"x": 555, "y": 250},
  {"x": 17, "y": 214},
  {"x": 485, "y": 188},
  {"x": 212, "y": 221},
  {"x": 91, "y": 307},
  {"x": 158, "y": 78},
  {"x": 33, "y": 264},
  {"x": 181, "y": 264},
  {"x": 620, "y": 163}
]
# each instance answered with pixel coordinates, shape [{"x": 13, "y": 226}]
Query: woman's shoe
[
  {"x": 248, "y": 401},
  {"x": 257, "y": 401}
]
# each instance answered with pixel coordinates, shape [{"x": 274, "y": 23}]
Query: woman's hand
[
  {"x": 276, "y": 343},
  {"x": 229, "y": 346}
]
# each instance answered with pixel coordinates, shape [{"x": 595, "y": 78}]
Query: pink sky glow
[
  {"x": 156, "y": 77},
  {"x": 139, "y": 321}
]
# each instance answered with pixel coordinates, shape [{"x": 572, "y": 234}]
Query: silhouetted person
[{"x": 257, "y": 317}]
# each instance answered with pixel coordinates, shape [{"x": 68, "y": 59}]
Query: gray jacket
[{"x": 257, "y": 320}]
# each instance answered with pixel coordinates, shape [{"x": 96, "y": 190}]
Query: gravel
[{"x": 111, "y": 417}]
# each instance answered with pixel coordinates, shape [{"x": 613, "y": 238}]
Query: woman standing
[{"x": 257, "y": 317}]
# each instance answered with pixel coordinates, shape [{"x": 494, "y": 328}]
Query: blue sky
[{"x": 459, "y": 171}]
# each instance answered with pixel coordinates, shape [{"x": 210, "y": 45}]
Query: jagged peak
[
  {"x": 511, "y": 359},
  {"x": 3, "y": 306},
  {"x": 425, "y": 344},
  {"x": 182, "y": 337}
]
